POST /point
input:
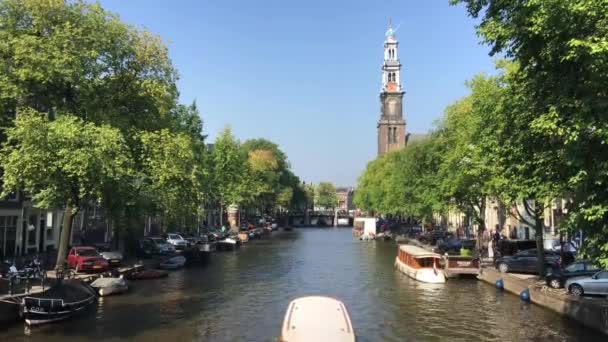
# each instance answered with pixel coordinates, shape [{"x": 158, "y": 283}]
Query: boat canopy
[{"x": 417, "y": 252}]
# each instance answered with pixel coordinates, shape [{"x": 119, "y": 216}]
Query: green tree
[
  {"x": 172, "y": 174},
  {"x": 269, "y": 173},
  {"x": 325, "y": 195},
  {"x": 229, "y": 170},
  {"x": 563, "y": 69},
  {"x": 62, "y": 164},
  {"x": 531, "y": 168},
  {"x": 74, "y": 57},
  {"x": 187, "y": 119},
  {"x": 467, "y": 172},
  {"x": 404, "y": 182}
]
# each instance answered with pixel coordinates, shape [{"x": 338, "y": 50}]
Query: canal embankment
[{"x": 591, "y": 312}]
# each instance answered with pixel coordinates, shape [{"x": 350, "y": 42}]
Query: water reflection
[{"x": 243, "y": 295}]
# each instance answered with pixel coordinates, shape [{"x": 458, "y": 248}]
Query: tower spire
[{"x": 391, "y": 126}]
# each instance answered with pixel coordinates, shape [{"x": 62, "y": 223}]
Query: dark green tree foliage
[
  {"x": 562, "y": 52},
  {"x": 74, "y": 57},
  {"x": 64, "y": 163},
  {"x": 325, "y": 195},
  {"x": 404, "y": 182}
]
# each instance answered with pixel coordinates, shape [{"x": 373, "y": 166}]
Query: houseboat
[
  {"x": 420, "y": 264},
  {"x": 317, "y": 318}
]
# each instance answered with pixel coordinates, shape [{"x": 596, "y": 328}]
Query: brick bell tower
[{"x": 391, "y": 126}]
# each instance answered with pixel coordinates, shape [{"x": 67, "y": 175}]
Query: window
[
  {"x": 602, "y": 275},
  {"x": 576, "y": 267},
  {"x": 593, "y": 268},
  {"x": 31, "y": 230},
  {"x": 86, "y": 252},
  {"x": 8, "y": 235}
]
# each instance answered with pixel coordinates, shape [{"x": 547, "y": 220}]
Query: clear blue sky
[{"x": 306, "y": 74}]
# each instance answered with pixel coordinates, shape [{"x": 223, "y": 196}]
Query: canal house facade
[{"x": 25, "y": 229}]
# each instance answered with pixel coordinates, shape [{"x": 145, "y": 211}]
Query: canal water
[{"x": 242, "y": 296}]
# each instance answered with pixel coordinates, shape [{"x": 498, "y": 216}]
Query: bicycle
[{"x": 66, "y": 273}]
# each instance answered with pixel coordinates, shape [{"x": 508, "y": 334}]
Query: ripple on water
[{"x": 243, "y": 295}]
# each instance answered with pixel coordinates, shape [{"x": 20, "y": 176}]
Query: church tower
[{"x": 391, "y": 126}]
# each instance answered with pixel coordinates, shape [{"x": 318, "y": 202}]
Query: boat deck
[
  {"x": 456, "y": 265},
  {"x": 317, "y": 318}
]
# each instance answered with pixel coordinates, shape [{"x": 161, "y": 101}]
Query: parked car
[
  {"x": 114, "y": 258},
  {"x": 555, "y": 246},
  {"x": 453, "y": 246},
  {"x": 86, "y": 259},
  {"x": 597, "y": 284},
  {"x": 163, "y": 246},
  {"x": 511, "y": 247},
  {"x": 557, "y": 278},
  {"x": 147, "y": 248},
  {"x": 191, "y": 239},
  {"x": 434, "y": 237},
  {"x": 526, "y": 262},
  {"x": 177, "y": 241}
]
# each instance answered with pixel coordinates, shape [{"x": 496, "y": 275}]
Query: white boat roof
[
  {"x": 317, "y": 318},
  {"x": 418, "y": 252}
]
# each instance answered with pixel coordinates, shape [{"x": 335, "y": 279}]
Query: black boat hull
[
  {"x": 43, "y": 309},
  {"x": 9, "y": 310}
]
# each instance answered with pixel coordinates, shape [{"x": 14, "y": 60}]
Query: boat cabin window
[{"x": 425, "y": 262}]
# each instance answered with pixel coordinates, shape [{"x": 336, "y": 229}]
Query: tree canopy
[
  {"x": 325, "y": 195},
  {"x": 63, "y": 163}
]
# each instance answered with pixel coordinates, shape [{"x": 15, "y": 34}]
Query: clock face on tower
[{"x": 392, "y": 86}]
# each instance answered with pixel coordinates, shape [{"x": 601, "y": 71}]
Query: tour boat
[
  {"x": 419, "y": 264},
  {"x": 317, "y": 318}
]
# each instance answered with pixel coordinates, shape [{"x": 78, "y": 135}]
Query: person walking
[{"x": 495, "y": 239}]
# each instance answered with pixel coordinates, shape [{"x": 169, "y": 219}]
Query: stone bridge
[{"x": 321, "y": 218}]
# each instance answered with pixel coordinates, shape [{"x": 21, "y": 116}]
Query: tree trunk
[
  {"x": 538, "y": 229},
  {"x": 481, "y": 221},
  {"x": 221, "y": 214},
  {"x": 64, "y": 238}
]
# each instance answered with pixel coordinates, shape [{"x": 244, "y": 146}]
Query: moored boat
[
  {"x": 9, "y": 309},
  {"x": 456, "y": 265},
  {"x": 227, "y": 244},
  {"x": 58, "y": 303},
  {"x": 419, "y": 264},
  {"x": 317, "y": 318},
  {"x": 109, "y": 286},
  {"x": 173, "y": 263}
]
